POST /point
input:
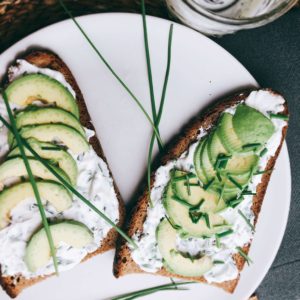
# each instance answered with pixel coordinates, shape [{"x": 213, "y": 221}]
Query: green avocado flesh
[
  {"x": 175, "y": 261},
  {"x": 35, "y": 115},
  {"x": 72, "y": 233},
  {"x": 179, "y": 210},
  {"x": 50, "y": 191},
  {"x": 32, "y": 87},
  {"x": 54, "y": 153},
  {"x": 15, "y": 167},
  {"x": 251, "y": 126},
  {"x": 60, "y": 133}
]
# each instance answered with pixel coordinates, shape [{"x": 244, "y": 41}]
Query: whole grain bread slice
[
  {"x": 124, "y": 264},
  {"x": 13, "y": 285}
]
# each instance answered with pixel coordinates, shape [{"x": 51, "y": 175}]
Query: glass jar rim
[{"x": 279, "y": 10}]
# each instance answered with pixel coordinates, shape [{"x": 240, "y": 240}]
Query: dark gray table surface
[{"x": 272, "y": 55}]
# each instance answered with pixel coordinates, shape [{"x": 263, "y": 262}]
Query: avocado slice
[
  {"x": 197, "y": 162},
  {"x": 60, "y": 133},
  {"x": 15, "y": 168},
  {"x": 50, "y": 191},
  {"x": 54, "y": 153},
  {"x": 251, "y": 126},
  {"x": 174, "y": 261},
  {"x": 32, "y": 87},
  {"x": 179, "y": 214},
  {"x": 72, "y": 233},
  {"x": 35, "y": 115},
  {"x": 215, "y": 147}
]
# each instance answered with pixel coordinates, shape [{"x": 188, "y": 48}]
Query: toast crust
[
  {"x": 123, "y": 263},
  {"x": 13, "y": 285}
]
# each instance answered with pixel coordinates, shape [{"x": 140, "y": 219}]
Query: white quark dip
[
  {"x": 148, "y": 257},
  {"x": 94, "y": 182}
]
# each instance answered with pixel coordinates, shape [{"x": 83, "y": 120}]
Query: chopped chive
[
  {"x": 195, "y": 216},
  {"x": 181, "y": 201},
  {"x": 160, "y": 111},
  {"x": 112, "y": 70},
  {"x": 188, "y": 186},
  {"x": 18, "y": 138},
  {"x": 218, "y": 225},
  {"x": 70, "y": 187},
  {"x": 253, "y": 145},
  {"x": 263, "y": 152},
  {"x": 218, "y": 262},
  {"x": 152, "y": 290},
  {"x": 244, "y": 193},
  {"x": 221, "y": 194},
  {"x": 279, "y": 116},
  {"x": 192, "y": 184},
  {"x": 184, "y": 177},
  {"x": 51, "y": 148},
  {"x": 218, "y": 243},
  {"x": 224, "y": 233},
  {"x": 263, "y": 172},
  {"x": 221, "y": 161},
  {"x": 219, "y": 176},
  {"x": 235, "y": 202},
  {"x": 175, "y": 226},
  {"x": 206, "y": 218},
  {"x": 246, "y": 220},
  {"x": 206, "y": 186},
  {"x": 197, "y": 206},
  {"x": 244, "y": 255},
  {"x": 234, "y": 182}
]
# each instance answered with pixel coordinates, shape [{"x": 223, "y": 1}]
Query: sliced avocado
[
  {"x": 54, "y": 153},
  {"x": 180, "y": 216},
  {"x": 215, "y": 147},
  {"x": 197, "y": 162},
  {"x": 242, "y": 163},
  {"x": 64, "y": 134},
  {"x": 32, "y": 87},
  {"x": 251, "y": 126},
  {"x": 35, "y": 115},
  {"x": 72, "y": 233},
  {"x": 174, "y": 260},
  {"x": 207, "y": 166},
  {"x": 50, "y": 191},
  {"x": 227, "y": 134},
  {"x": 15, "y": 168}
]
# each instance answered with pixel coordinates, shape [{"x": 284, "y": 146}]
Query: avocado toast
[
  {"x": 52, "y": 116},
  {"x": 207, "y": 193}
]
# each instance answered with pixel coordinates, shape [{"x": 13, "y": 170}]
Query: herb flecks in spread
[
  {"x": 65, "y": 147},
  {"x": 205, "y": 197}
]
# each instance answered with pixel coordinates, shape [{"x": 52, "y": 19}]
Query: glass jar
[{"x": 219, "y": 17}]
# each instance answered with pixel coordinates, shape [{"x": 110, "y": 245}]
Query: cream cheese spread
[
  {"x": 147, "y": 255},
  {"x": 94, "y": 182}
]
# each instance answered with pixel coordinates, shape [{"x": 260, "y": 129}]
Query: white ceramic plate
[{"x": 201, "y": 72}]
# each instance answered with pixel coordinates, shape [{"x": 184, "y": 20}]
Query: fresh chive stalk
[
  {"x": 188, "y": 185},
  {"x": 32, "y": 182},
  {"x": 175, "y": 226},
  {"x": 137, "y": 101},
  {"x": 218, "y": 243},
  {"x": 149, "y": 291},
  {"x": 246, "y": 220},
  {"x": 181, "y": 201},
  {"x": 279, "y": 116},
  {"x": 218, "y": 262},
  {"x": 206, "y": 218},
  {"x": 245, "y": 192},
  {"x": 160, "y": 111},
  {"x": 207, "y": 186},
  {"x": 244, "y": 255},
  {"x": 224, "y": 233},
  {"x": 70, "y": 187},
  {"x": 253, "y": 145},
  {"x": 51, "y": 148},
  {"x": 263, "y": 152},
  {"x": 234, "y": 182}
]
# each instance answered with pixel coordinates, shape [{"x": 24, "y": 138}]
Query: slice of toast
[
  {"x": 124, "y": 264},
  {"x": 13, "y": 285}
]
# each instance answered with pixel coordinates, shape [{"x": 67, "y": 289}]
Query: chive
[
  {"x": 192, "y": 184},
  {"x": 197, "y": 206},
  {"x": 263, "y": 152},
  {"x": 279, "y": 116},
  {"x": 263, "y": 172},
  {"x": 149, "y": 71},
  {"x": 70, "y": 187},
  {"x": 195, "y": 216},
  {"x": 218, "y": 243},
  {"x": 51, "y": 148},
  {"x": 206, "y": 218},
  {"x": 17, "y": 136},
  {"x": 234, "y": 182},
  {"x": 224, "y": 233},
  {"x": 175, "y": 226},
  {"x": 188, "y": 186},
  {"x": 253, "y": 145},
  {"x": 181, "y": 201},
  {"x": 221, "y": 161},
  {"x": 206, "y": 186},
  {"x": 221, "y": 194},
  {"x": 219, "y": 176},
  {"x": 160, "y": 110},
  {"x": 244, "y": 255},
  {"x": 248, "y": 193},
  {"x": 235, "y": 202},
  {"x": 246, "y": 220},
  {"x": 218, "y": 262},
  {"x": 61, "y": 2},
  {"x": 149, "y": 291},
  {"x": 184, "y": 177}
]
